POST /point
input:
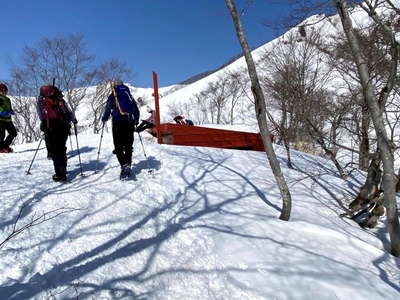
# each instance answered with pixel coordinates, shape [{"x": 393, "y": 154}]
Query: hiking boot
[
  {"x": 57, "y": 178},
  {"x": 125, "y": 171},
  {"x": 6, "y": 150}
]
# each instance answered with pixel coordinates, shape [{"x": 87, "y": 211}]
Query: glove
[
  {"x": 75, "y": 121},
  {"x": 43, "y": 126},
  {"x": 6, "y": 113}
]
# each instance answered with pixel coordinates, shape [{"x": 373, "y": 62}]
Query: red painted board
[{"x": 175, "y": 134}]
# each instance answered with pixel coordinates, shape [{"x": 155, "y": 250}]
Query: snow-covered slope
[
  {"x": 204, "y": 225},
  {"x": 329, "y": 27}
]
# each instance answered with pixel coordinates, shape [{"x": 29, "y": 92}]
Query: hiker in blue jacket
[{"x": 125, "y": 117}]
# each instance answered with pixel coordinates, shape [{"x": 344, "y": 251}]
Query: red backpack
[{"x": 52, "y": 106}]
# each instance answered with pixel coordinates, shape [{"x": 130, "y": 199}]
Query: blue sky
[{"x": 176, "y": 38}]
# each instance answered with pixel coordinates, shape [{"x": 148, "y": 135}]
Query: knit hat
[
  {"x": 118, "y": 82},
  {"x": 3, "y": 88}
]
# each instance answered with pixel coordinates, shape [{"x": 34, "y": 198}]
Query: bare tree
[
  {"x": 26, "y": 119},
  {"x": 34, "y": 220},
  {"x": 64, "y": 59},
  {"x": 260, "y": 108},
  {"x": 237, "y": 85},
  {"x": 217, "y": 93},
  {"x": 218, "y": 102},
  {"x": 202, "y": 113},
  {"x": 295, "y": 74},
  {"x": 376, "y": 51},
  {"x": 319, "y": 137},
  {"x": 376, "y": 93},
  {"x": 109, "y": 70},
  {"x": 375, "y": 106}
]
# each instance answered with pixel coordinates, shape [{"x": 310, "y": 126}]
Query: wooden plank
[{"x": 210, "y": 137}]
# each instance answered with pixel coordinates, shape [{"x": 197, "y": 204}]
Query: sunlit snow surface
[{"x": 203, "y": 225}]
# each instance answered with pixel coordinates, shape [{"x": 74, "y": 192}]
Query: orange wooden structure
[{"x": 185, "y": 135}]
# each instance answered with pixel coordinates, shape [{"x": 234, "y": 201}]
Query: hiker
[
  {"x": 6, "y": 123},
  {"x": 148, "y": 123},
  {"x": 55, "y": 117},
  {"x": 182, "y": 121},
  {"x": 125, "y": 117},
  {"x": 140, "y": 101}
]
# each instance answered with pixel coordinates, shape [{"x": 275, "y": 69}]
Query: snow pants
[
  {"x": 56, "y": 136},
  {"x": 144, "y": 125},
  {"x": 5, "y": 142},
  {"x": 123, "y": 140}
]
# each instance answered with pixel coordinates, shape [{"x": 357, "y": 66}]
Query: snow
[{"x": 203, "y": 225}]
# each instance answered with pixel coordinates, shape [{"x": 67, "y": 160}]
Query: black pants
[
  {"x": 123, "y": 140},
  {"x": 56, "y": 135},
  {"x": 144, "y": 125},
  {"x": 43, "y": 127},
  {"x": 12, "y": 133}
]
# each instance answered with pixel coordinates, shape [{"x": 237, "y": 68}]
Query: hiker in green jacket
[{"x": 5, "y": 121}]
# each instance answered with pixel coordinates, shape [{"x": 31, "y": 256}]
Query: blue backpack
[{"x": 126, "y": 102}]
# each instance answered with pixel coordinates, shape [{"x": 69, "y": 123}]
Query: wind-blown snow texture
[{"x": 203, "y": 226}]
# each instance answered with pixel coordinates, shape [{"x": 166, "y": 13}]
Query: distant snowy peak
[{"x": 182, "y": 96}]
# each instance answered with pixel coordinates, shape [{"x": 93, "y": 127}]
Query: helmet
[
  {"x": 3, "y": 88},
  {"x": 178, "y": 119}
]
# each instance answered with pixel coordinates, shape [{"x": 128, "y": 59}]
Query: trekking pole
[
  {"x": 77, "y": 146},
  {"x": 140, "y": 138},
  {"x": 70, "y": 142},
  {"x": 34, "y": 156},
  {"x": 98, "y": 152},
  {"x": 144, "y": 152}
]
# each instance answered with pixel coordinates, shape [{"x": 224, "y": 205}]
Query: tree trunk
[
  {"x": 287, "y": 147},
  {"x": 363, "y": 160},
  {"x": 385, "y": 149},
  {"x": 319, "y": 138},
  {"x": 285, "y": 138},
  {"x": 260, "y": 108},
  {"x": 370, "y": 187}
]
